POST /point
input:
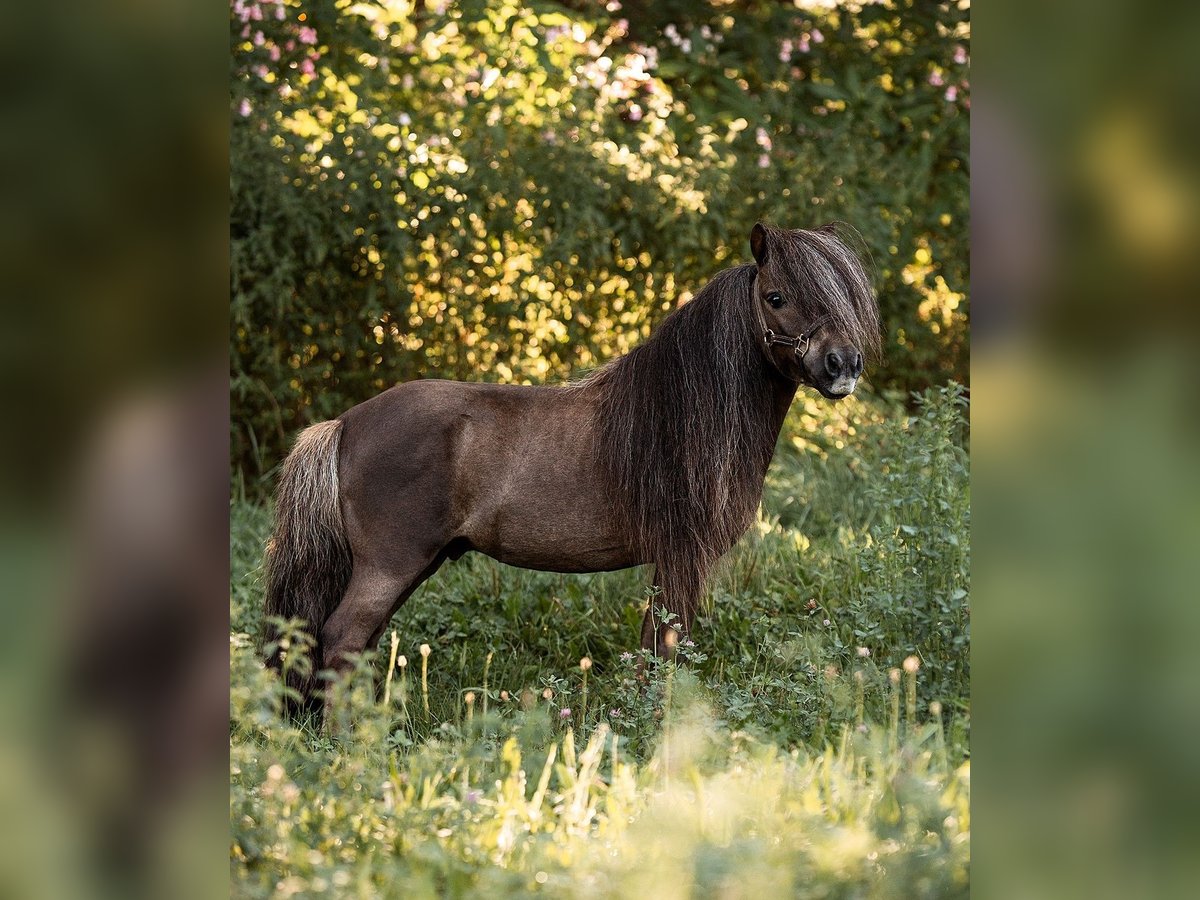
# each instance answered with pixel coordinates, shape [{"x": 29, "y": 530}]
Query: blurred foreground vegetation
[
  {"x": 514, "y": 191},
  {"x": 815, "y": 744}
]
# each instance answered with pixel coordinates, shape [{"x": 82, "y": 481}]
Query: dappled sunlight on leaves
[{"x": 503, "y": 192}]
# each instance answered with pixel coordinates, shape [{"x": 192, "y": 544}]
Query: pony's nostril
[
  {"x": 833, "y": 363},
  {"x": 858, "y": 364}
]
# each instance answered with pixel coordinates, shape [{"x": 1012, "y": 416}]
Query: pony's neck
[
  {"x": 687, "y": 424},
  {"x": 778, "y": 390},
  {"x": 783, "y": 393}
]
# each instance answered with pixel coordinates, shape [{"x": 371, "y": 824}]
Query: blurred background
[{"x": 1085, "y": 274}]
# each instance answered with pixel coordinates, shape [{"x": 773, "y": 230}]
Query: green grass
[{"x": 791, "y": 756}]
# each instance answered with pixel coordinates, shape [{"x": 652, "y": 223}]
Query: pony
[{"x": 658, "y": 457}]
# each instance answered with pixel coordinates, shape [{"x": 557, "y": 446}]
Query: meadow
[{"x": 812, "y": 742}]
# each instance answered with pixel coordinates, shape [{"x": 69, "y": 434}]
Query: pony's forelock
[{"x": 833, "y": 282}]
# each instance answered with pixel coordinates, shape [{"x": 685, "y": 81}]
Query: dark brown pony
[{"x": 658, "y": 457}]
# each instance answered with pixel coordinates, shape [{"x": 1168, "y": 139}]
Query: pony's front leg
[{"x": 661, "y": 635}]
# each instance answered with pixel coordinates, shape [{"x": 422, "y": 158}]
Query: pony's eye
[{"x": 775, "y": 299}]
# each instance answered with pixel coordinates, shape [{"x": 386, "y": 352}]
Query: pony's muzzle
[
  {"x": 843, "y": 362},
  {"x": 843, "y": 366}
]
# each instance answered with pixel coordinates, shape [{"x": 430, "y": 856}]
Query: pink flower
[
  {"x": 308, "y": 35},
  {"x": 935, "y": 78},
  {"x": 274, "y": 53},
  {"x": 951, "y": 94},
  {"x": 244, "y": 108},
  {"x": 564, "y": 713},
  {"x": 259, "y": 40},
  {"x": 802, "y": 46},
  {"x": 635, "y": 113},
  {"x": 280, "y": 13},
  {"x": 817, "y": 37},
  {"x": 307, "y": 67},
  {"x": 764, "y": 161},
  {"x": 960, "y": 55},
  {"x": 785, "y": 50}
]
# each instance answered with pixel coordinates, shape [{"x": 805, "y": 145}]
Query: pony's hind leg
[{"x": 373, "y": 595}]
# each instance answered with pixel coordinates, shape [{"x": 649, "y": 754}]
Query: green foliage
[
  {"x": 515, "y": 192},
  {"x": 779, "y": 760}
]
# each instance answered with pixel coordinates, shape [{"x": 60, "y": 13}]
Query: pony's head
[{"x": 815, "y": 307}]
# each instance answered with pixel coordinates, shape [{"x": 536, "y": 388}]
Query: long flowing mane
[
  {"x": 687, "y": 421},
  {"x": 686, "y": 430}
]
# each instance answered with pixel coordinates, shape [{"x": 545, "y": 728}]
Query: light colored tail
[{"x": 308, "y": 560}]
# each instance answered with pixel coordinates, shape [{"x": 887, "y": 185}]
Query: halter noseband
[{"x": 799, "y": 343}]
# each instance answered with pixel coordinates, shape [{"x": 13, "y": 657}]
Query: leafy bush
[{"x": 509, "y": 191}]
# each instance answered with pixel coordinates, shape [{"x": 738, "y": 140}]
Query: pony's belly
[
  {"x": 557, "y": 540},
  {"x": 529, "y": 491},
  {"x": 575, "y": 561}
]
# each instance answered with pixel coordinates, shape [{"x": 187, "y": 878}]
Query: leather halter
[{"x": 799, "y": 343}]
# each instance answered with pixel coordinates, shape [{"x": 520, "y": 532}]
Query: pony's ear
[{"x": 758, "y": 243}]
